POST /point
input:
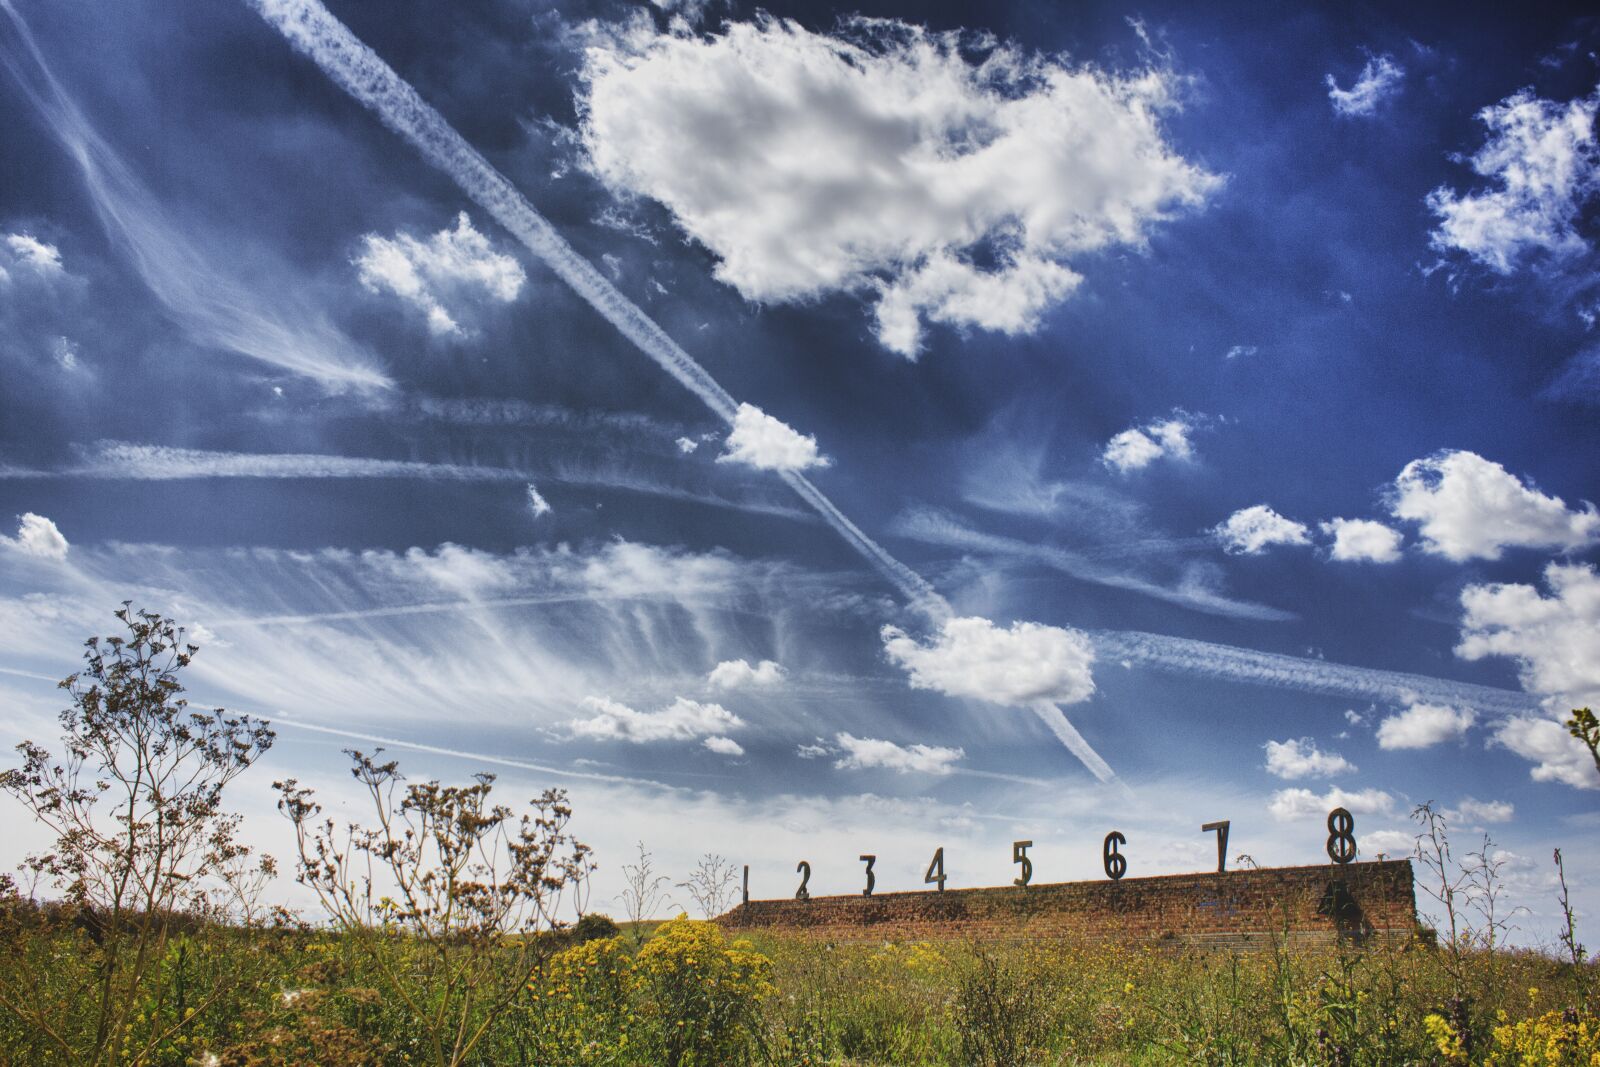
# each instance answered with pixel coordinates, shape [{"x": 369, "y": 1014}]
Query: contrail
[
  {"x": 312, "y": 29},
  {"x": 326, "y": 41},
  {"x": 1208, "y": 659}
]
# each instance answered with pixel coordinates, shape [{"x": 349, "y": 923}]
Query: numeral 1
[{"x": 1222, "y": 842}]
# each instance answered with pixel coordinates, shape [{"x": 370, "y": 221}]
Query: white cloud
[
  {"x": 687, "y": 445},
  {"x": 1302, "y": 759},
  {"x": 1249, "y": 531},
  {"x": 1469, "y": 507},
  {"x": 37, "y": 536},
  {"x": 451, "y": 263},
  {"x": 1424, "y": 725},
  {"x": 951, "y": 177},
  {"x": 1363, "y": 541},
  {"x": 1139, "y": 446},
  {"x": 1555, "y": 641},
  {"x": 972, "y": 657},
  {"x": 536, "y": 502},
  {"x": 865, "y": 753},
  {"x": 1393, "y": 843},
  {"x": 737, "y": 673},
  {"x": 1542, "y": 164},
  {"x": 813, "y": 751},
  {"x": 761, "y": 441},
  {"x": 1241, "y": 350},
  {"x": 1470, "y": 810},
  {"x": 28, "y": 253},
  {"x": 1556, "y": 755},
  {"x": 1289, "y": 804},
  {"x": 65, "y": 351},
  {"x": 1379, "y": 80},
  {"x": 683, "y": 720},
  {"x": 724, "y": 746}
]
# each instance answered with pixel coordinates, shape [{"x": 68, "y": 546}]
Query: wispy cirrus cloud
[
  {"x": 216, "y": 309},
  {"x": 939, "y": 528}
]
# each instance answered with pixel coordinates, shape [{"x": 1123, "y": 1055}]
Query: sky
[{"x": 811, "y": 430}]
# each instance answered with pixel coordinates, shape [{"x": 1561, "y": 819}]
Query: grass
[{"x": 680, "y": 994}]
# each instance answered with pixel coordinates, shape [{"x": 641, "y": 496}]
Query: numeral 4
[{"x": 936, "y": 866}]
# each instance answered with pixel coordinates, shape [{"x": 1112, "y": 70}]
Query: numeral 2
[{"x": 804, "y": 870}]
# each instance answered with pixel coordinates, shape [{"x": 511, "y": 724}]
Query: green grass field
[{"x": 680, "y": 993}]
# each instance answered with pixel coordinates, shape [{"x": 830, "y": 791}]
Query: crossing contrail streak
[
  {"x": 311, "y": 28},
  {"x": 1205, "y": 658}
]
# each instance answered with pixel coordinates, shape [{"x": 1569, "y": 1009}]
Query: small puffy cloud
[
  {"x": 1139, "y": 446},
  {"x": 865, "y": 753},
  {"x": 1302, "y": 759},
  {"x": 1388, "y": 843},
  {"x": 629, "y": 569},
  {"x": 952, "y": 178},
  {"x": 536, "y": 502},
  {"x": 813, "y": 751},
  {"x": 1289, "y": 804},
  {"x": 1542, "y": 165},
  {"x": 724, "y": 746},
  {"x": 452, "y": 264},
  {"x": 37, "y": 536},
  {"x": 1472, "y": 811},
  {"x": 687, "y": 445},
  {"x": 683, "y": 720},
  {"x": 1362, "y": 541},
  {"x": 761, "y": 441},
  {"x": 1469, "y": 507},
  {"x": 65, "y": 351},
  {"x": 737, "y": 674},
  {"x": 1250, "y": 531},
  {"x": 1424, "y": 725},
  {"x": 23, "y": 254},
  {"x": 1241, "y": 350},
  {"x": 1378, "y": 81},
  {"x": 972, "y": 657},
  {"x": 1556, "y": 755}
]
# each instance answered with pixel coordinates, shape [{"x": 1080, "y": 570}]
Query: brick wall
[{"x": 1320, "y": 903}]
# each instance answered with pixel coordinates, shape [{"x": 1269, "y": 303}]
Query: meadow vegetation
[{"x": 140, "y": 937}]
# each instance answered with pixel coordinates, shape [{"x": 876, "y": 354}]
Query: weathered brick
[{"x": 1238, "y": 908}]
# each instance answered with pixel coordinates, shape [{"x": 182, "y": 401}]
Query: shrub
[
  {"x": 704, "y": 995},
  {"x": 593, "y": 927}
]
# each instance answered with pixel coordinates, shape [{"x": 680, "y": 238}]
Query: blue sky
[{"x": 811, "y": 430}]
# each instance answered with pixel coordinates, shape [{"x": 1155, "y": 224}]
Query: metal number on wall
[
  {"x": 1222, "y": 842},
  {"x": 1019, "y": 854},
  {"x": 1341, "y": 836},
  {"x": 869, "y": 860},
  {"x": 804, "y": 870},
  {"x": 1116, "y": 863},
  {"x": 936, "y": 865}
]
